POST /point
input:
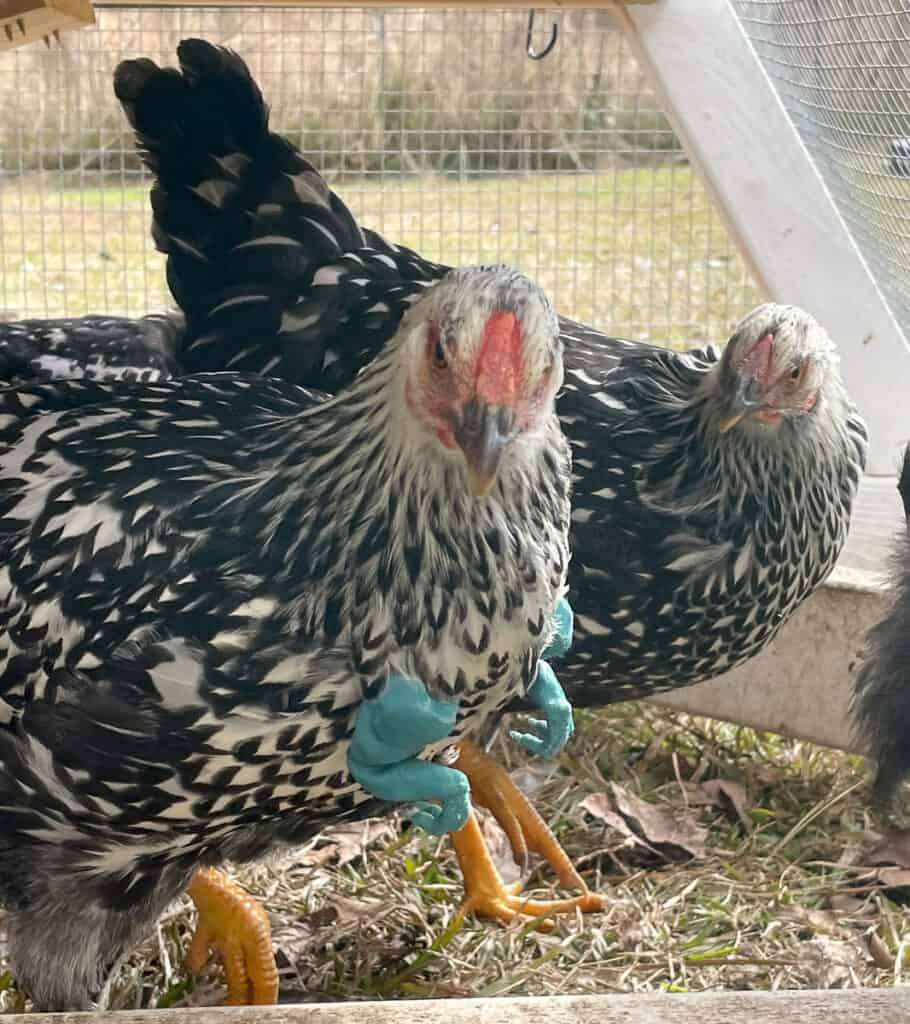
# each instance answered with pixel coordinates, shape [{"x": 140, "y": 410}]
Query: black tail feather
[{"x": 244, "y": 219}]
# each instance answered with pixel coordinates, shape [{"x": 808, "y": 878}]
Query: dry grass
[{"x": 776, "y": 899}]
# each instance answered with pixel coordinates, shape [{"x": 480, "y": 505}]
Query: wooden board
[
  {"x": 505, "y": 5},
  {"x": 881, "y": 1006},
  {"x": 731, "y": 121},
  {"x": 27, "y": 21}
]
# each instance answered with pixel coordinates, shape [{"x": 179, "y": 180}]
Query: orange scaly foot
[
  {"x": 485, "y": 892},
  {"x": 488, "y": 896},
  {"x": 233, "y": 922}
]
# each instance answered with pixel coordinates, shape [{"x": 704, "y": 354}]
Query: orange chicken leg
[
  {"x": 485, "y": 892},
  {"x": 234, "y": 923}
]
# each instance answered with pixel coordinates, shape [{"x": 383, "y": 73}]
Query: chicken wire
[
  {"x": 435, "y": 128},
  {"x": 840, "y": 68}
]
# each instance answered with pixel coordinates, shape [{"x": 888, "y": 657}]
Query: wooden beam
[
  {"x": 737, "y": 133},
  {"x": 498, "y": 5},
  {"x": 846, "y": 1006},
  {"x": 27, "y": 21}
]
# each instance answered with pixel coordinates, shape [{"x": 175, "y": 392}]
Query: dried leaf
[
  {"x": 348, "y": 841},
  {"x": 828, "y": 962},
  {"x": 499, "y": 848},
  {"x": 847, "y": 905},
  {"x": 673, "y": 830},
  {"x": 341, "y": 911},
  {"x": 723, "y": 792},
  {"x": 353, "y": 838},
  {"x": 889, "y": 856},
  {"x": 598, "y": 805},
  {"x": 824, "y": 921},
  {"x": 315, "y": 857},
  {"x": 892, "y": 848},
  {"x": 881, "y": 955}
]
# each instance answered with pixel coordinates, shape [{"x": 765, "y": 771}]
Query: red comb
[
  {"x": 499, "y": 360},
  {"x": 756, "y": 363}
]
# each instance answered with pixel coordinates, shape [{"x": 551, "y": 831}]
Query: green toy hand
[
  {"x": 390, "y": 731},
  {"x": 551, "y": 734}
]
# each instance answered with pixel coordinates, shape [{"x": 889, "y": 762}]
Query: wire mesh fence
[
  {"x": 434, "y": 126},
  {"x": 842, "y": 70}
]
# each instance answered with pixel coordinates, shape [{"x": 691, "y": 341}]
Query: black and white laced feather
[
  {"x": 690, "y": 548},
  {"x": 92, "y": 347},
  {"x": 201, "y": 580}
]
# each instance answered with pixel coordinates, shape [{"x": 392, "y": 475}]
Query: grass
[
  {"x": 637, "y": 251},
  {"x": 776, "y": 897}
]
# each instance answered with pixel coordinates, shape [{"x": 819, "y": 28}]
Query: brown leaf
[
  {"x": 724, "y": 792},
  {"x": 828, "y": 962},
  {"x": 847, "y": 905},
  {"x": 598, "y": 805},
  {"x": 499, "y": 848},
  {"x": 824, "y": 921},
  {"x": 313, "y": 858},
  {"x": 889, "y": 857},
  {"x": 340, "y": 911},
  {"x": 891, "y": 848},
  {"x": 671, "y": 829},
  {"x": 881, "y": 955},
  {"x": 348, "y": 841}
]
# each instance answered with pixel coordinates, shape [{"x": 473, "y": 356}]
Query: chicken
[
  {"x": 712, "y": 492},
  {"x": 881, "y": 701},
  {"x": 95, "y": 347},
  {"x": 208, "y": 582}
]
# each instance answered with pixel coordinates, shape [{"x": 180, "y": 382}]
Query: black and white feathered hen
[
  {"x": 202, "y": 579},
  {"x": 712, "y": 492}
]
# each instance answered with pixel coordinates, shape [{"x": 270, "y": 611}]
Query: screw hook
[{"x": 554, "y": 35}]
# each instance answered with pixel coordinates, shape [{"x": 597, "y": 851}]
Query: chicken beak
[
  {"x": 483, "y": 434},
  {"x": 748, "y": 399},
  {"x": 729, "y": 422}
]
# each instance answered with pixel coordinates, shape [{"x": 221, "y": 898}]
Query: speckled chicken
[
  {"x": 205, "y": 579},
  {"x": 712, "y": 492}
]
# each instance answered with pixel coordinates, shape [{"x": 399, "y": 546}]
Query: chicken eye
[
  {"x": 435, "y": 346},
  {"x": 796, "y": 374}
]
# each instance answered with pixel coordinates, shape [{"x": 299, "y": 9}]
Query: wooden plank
[
  {"x": 27, "y": 21},
  {"x": 737, "y": 133},
  {"x": 499, "y": 5},
  {"x": 845, "y": 1006}
]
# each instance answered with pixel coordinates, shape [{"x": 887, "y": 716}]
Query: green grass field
[{"x": 639, "y": 252}]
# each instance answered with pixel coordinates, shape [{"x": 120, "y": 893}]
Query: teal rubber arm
[
  {"x": 551, "y": 734},
  {"x": 390, "y": 731}
]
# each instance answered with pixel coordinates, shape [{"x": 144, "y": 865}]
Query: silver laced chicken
[{"x": 203, "y": 579}]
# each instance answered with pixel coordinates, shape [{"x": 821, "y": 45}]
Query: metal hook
[{"x": 554, "y": 35}]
